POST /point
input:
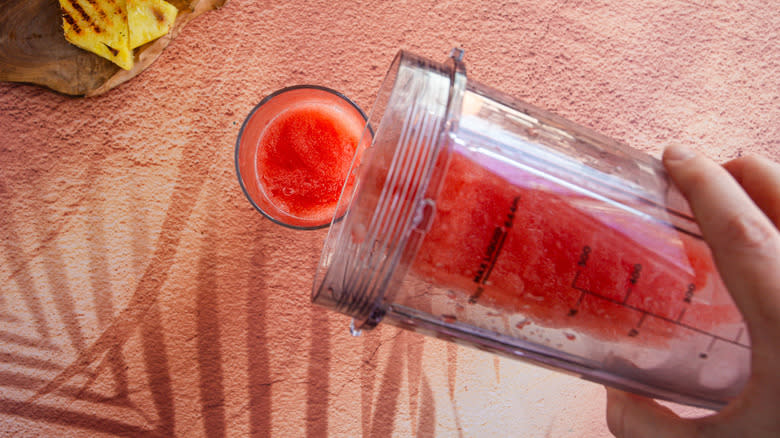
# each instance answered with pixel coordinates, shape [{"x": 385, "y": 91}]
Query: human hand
[{"x": 739, "y": 216}]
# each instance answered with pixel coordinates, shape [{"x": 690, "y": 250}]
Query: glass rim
[{"x": 326, "y": 223}]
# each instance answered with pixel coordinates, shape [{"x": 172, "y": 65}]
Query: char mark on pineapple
[
  {"x": 111, "y": 49},
  {"x": 158, "y": 15},
  {"x": 73, "y": 25},
  {"x": 84, "y": 16},
  {"x": 98, "y": 9}
]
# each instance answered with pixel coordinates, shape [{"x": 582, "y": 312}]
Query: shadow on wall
[
  {"x": 95, "y": 392},
  {"x": 82, "y": 380}
]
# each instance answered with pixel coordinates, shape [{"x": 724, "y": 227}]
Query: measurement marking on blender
[
  {"x": 633, "y": 280},
  {"x": 705, "y": 354},
  {"x": 500, "y": 245},
  {"x": 475, "y": 296},
  {"x": 634, "y": 332},
  {"x": 573, "y": 311},
  {"x": 689, "y": 293},
  {"x": 584, "y": 256},
  {"x": 739, "y": 334},
  {"x": 682, "y": 313},
  {"x": 493, "y": 250},
  {"x": 628, "y": 294},
  {"x": 490, "y": 256}
]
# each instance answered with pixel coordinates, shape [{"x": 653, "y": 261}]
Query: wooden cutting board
[{"x": 33, "y": 48}]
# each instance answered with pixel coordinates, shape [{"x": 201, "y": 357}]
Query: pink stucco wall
[{"x": 142, "y": 295}]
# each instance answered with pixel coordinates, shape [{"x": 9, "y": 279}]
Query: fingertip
[
  {"x": 760, "y": 178},
  {"x": 613, "y": 395},
  {"x": 638, "y": 417},
  {"x": 677, "y": 154},
  {"x": 614, "y": 410}
]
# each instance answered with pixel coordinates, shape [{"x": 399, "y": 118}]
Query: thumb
[{"x": 632, "y": 416}]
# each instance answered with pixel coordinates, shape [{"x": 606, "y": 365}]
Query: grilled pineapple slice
[
  {"x": 149, "y": 20},
  {"x": 113, "y": 28},
  {"x": 100, "y": 27}
]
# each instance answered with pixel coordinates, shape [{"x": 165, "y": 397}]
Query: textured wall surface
[{"x": 142, "y": 295}]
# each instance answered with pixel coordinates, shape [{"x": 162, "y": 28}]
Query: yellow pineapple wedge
[
  {"x": 99, "y": 26},
  {"x": 149, "y": 20}
]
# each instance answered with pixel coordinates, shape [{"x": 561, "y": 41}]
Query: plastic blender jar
[{"x": 481, "y": 219}]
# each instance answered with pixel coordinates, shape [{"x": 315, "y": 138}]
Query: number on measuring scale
[
  {"x": 635, "y": 273},
  {"x": 584, "y": 256},
  {"x": 689, "y": 293}
]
